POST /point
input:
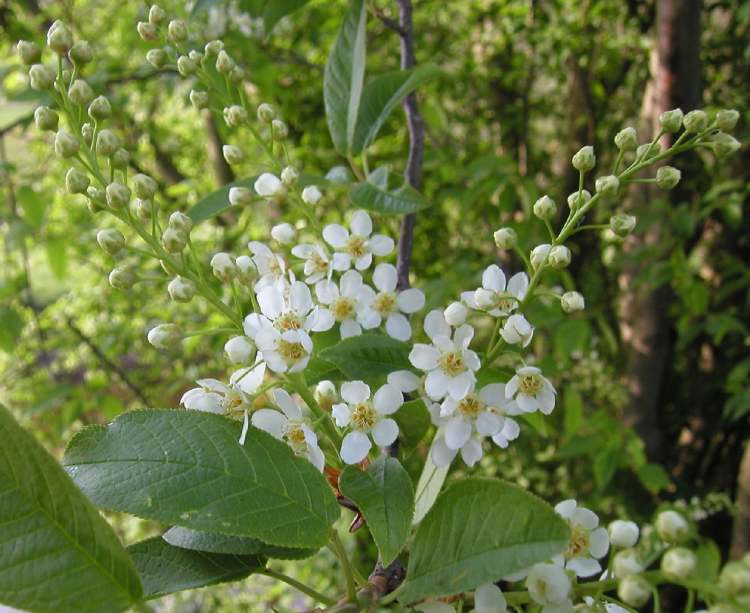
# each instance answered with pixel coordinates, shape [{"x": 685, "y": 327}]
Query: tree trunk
[{"x": 741, "y": 530}]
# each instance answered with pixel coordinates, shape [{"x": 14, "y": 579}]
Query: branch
[{"x": 389, "y": 23}]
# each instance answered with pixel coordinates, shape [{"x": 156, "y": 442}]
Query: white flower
[
  {"x": 550, "y": 586},
  {"x": 366, "y": 417},
  {"x": 391, "y": 305},
  {"x": 448, "y": 362},
  {"x": 540, "y": 255},
  {"x": 346, "y": 301},
  {"x": 164, "y": 336},
  {"x": 496, "y": 296},
  {"x": 283, "y": 232},
  {"x": 517, "y": 329},
  {"x": 404, "y": 380},
  {"x": 442, "y": 455},
  {"x": 532, "y": 390},
  {"x": 588, "y": 542},
  {"x": 678, "y": 562},
  {"x": 268, "y": 185},
  {"x": 489, "y": 598},
  {"x": 317, "y": 262},
  {"x": 671, "y": 526},
  {"x": 214, "y": 396},
  {"x": 289, "y": 426},
  {"x": 287, "y": 351},
  {"x": 326, "y": 395},
  {"x": 627, "y": 562},
  {"x": 239, "y": 350},
  {"x": 311, "y": 194},
  {"x": 455, "y": 313},
  {"x": 240, "y": 195},
  {"x": 271, "y": 266},
  {"x": 623, "y": 533},
  {"x": 224, "y": 267},
  {"x": 359, "y": 245}
]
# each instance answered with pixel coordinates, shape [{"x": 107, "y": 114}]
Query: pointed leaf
[
  {"x": 400, "y": 201},
  {"x": 165, "y": 569},
  {"x": 479, "y": 531},
  {"x": 275, "y": 10},
  {"x": 52, "y": 536},
  {"x": 381, "y": 95},
  {"x": 368, "y": 356},
  {"x": 385, "y": 496},
  {"x": 187, "y": 468},
  {"x": 413, "y": 422},
  {"x": 217, "y": 201},
  {"x": 344, "y": 77}
]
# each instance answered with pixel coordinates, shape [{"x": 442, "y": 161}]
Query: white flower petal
[
  {"x": 349, "y": 328},
  {"x": 355, "y": 447},
  {"x": 435, "y": 324},
  {"x": 398, "y": 327},
  {"x": 489, "y": 598},
  {"x": 493, "y": 278},
  {"x": 584, "y": 566},
  {"x": 528, "y": 404},
  {"x": 599, "y": 542},
  {"x": 350, "y": 283},
  {"x": 488, "y": 423},
  {"x": 355, "y": 392},
  {"x": 440, "y": 454},
  {"x": 385, "y": 432},
  {"x": 518, "y": 285},
  {"x": 461, "y": 385},
  {"x": 270, "y": 421},
  {"x": 471, "y": 452},
  {"x": 300, "y": 300},
  {"x": 436, "y": 384},
  {"x": 245, "y": 426},
  {"x": 457, "y": 432},
  {"x": 336, "y": 235},
  {"x": 404, "y": 380},
  {"x": 380, "y": 245},
  {"x": 463, "y": 336},
  {"x": 384, "y": 277},
  {"x": 364, "y": 262},
  {"x": 388, "y": 399},
  {"x": 566, "y": 508},
  {"x": 326, "y": 291},
  {"x": 424, "y": 357},
  {"x": 287, "y": 404},
  {"x": 585, "y": 517},
  {"x": 316, "y": 457},
  {"x": 361, "y": 223},
  {"x": 410, "y": 300},
  {"x": 341, "y": 414}
]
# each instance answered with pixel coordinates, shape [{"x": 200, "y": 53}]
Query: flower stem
[
  {"x": 305, "y": 589},
  {"x": 337, "y": 547}
]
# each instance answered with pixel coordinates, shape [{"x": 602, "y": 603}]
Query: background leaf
[
  {"x": 400, "y": 201},
  {"x": 413, "y": 422},
  {"x": 187, "y": 468},
  {"x": 56, "y": 552},
  {"x": 217, "y": 201},
  {"x": 368, "y": 356}
]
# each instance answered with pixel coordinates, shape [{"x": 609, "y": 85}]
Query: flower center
[
  {"x": 579, "y": 542},
  {"x": 233, "y": 401},
  {"x": 355, "y": 246},
  {"x": 470, "y": 407},
  {"x": 384, "y": 303},
  {"x": 290, "y": 351},
  {"x": 295, "y": 436},
  {"x": 364, "y": 416},
  {"x": 318, "y": 263},
  {"x": 274, "y": 267},
  {"x": 530, "y": 385},
  {"x": 506, "y": 303},
  {"x": 452, "y": 363},
  {"x": 342, "y": 308},
  {"x": 288, "y": 321}
]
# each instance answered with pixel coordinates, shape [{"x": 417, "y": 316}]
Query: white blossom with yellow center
[
  {"x": 531, "y": 390},
  {"x": 496, "y": 296},
  {"x": 271, "y": 266},
  {"x": 214, "y": 396},
  {"x": 366, "y": 417},
  {"x": 588, "y": 542},
  {"x": 347, "y": 301},
  {"x": 357, "y": 246},
  {"x": 283, "y": 351},
  {"x": 318, "y": 264}
]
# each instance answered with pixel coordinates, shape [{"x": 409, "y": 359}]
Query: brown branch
[
  {"x": 389, "y": 23},
  {"x": 222, "y": 170}
]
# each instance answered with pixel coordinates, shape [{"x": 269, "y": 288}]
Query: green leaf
[
  {"x": 187, "y": 468},
  {"x": 275, "y": 10},
  {"x": 33, "y": 205},
  {"x": 428, "y": 487},
  {"x": 165, "y": 569},
  {"x": 216, "y": 202},
  {"x": 654, "y": 477},
  {"x": 381, "y": 95},
  {"x": 400, "y": 201},
  {"x": 368, "y": 356},
  {"x": 11, "y": 326},
  {"x": 57, "y": 255},
  {"x": 53, "y": 537},
  {"x": 317, "y": 370},
  {"x": 606, "y": 463},
  {"x": 212, "y": 542},
  {"x": 573, "y": 415},
  {"x": 344, "y": 77},
  {"x": 708, "y": 561},
  {"x": 478, "y": 531},
  {"x": 385, "y": 496},
  {"x": 413, "y": 422}
]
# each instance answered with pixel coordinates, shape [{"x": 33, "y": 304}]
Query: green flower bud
[
  {"x": 180, "y": 221},
  {"x": 247, "y": 272},
  {"x": 608, "y": 185},
  {"x": 28, "y": 52},
  {"x": 107, "y": 142},
  {"x": 727, "y": 119},
  {"x": 122, "y": 278},
  {"x": 224, "y": 63},
  {"x": 59, "y": 38},
  {"x": 76, "y": 181},
  {"x": 66, "y": 145},
  {"x": 146, "y": 209},
  {"x": 111, "y": 241},
  {"x": 671, "y": 121},
  {"x": 156, "y": 14},
  {"x": 46, "y": 119},
  {"x": 679, "y": 562},
  {"x": 572, "y": 302},
  {"x": 144, "y": 186},
  {"x": 186, "y": 66},
  {"x": 627, "y": 562},
  {"x": 199, "y": 99},
  {"x": 80, "y": 92},
  {"x": 41, "y": 77},
  {"x": 667, "y": 177},
  {"x": 585, "y": 159},
  {"x": 213, "y": 47},
  {"x": 157, "y": 58},
  {"x": 652, "y": 150},
  {"x": 671, "y": 526},
  {"x": 626, "y": 139},
  {"x": 279, "y": 129},
  {"x": 695, "y": 121},
  {"x": 235, "y": 115},
  {"x": 539, "y": 255},
  {"x": 174, "y": 240},
  {"x": 80, "y": 53},
  {"x": 195, "y": 56},
  {"x": 87, "y": 131},
  {"x": 634, "y": 590},
  {"x": 181, "y": 289},
  {"x": 734, "y": 578},
  {"x": 289, "y": 175},
  {"x": 545, "y": 208},
  {"x": 94, "y": 193},
  {"x": 120, "y": 159},
  {"x": 146, "y": 30},
  {"x": 224, "y": 267},
  {"x": 724, "y": 144},
  {"x": 177, "y": 31},
  {"x": 240, "y": 195},
  {"x": 232, "y": 154},
  {"x": 237, "y": 75},
  {"x": 164, "y": 336},
  {"x": 505, "y": 238},
  {"x": 266, "y": 113},
  {"x": 100, "y": 108},
  {"x": 577, "y": 199},
  {"x": 622, "y": 224},
  {"x": 559, "y": 256},
  {"x": 118, "y": 195}
]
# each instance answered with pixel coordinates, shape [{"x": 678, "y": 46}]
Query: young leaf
[
  {"x": 216, "y": 202},
  {"x": 53, "y": 537},
  {"x": 428, "y": 488},
  {"x": 385, "y": 495},
  {"x": 165, "y": 569},
  {"x": 344, "y": 77},
  {"x": 478, "y": 531},
  {"x": 212, "y": 542},
  {"x": 187, "y": 468},
  {"x": 368, "y": 356},
  {"x": 381, "y": 95},
  {"x": 275, "y": 10},
  {"x": 400, "y": 201},
  {"x": 413, "y": 422}
]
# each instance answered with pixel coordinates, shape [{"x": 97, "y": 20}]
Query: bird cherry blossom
[
  {"x": 271, "y": 266},
  {"x": 517, "y": 330},
  {"x": 288, "y": 425},
  {"x": 390, "y": 305},
  {"x": 448, "y": 361},
  {"x": 283, "y": 351},
  {"x": 532, "y": 390},
  {"x": 347, "y": 301},
  {"x": 550, "y": 586},
  {"x": 357, "y": 246},
  {"x": 366, "y": 417},
  {"x": 496, "y": 296},
  {"x": 588, "y": 541},
  {"x": 318, "y": 264},
  {"x": 214, "y": 396}
]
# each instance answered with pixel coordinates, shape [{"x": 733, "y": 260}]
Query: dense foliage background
[{"x": 655, "y": 374}]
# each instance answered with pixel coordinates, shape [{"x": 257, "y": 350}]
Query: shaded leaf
[
  {"x": 368, "y": 356},
  {"x": 33, "y": 205},
  {"x": 216, "y": 202},
  {"x": 400, "y": 201},
  {"x": 11, "y": 326},
  {"x": 413, "y": 422}
]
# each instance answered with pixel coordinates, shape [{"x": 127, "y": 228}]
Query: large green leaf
[
  {"x": 381, "y": 95},
  {"x": 56, "y": 552},
  {"x": 400, "y": 201},
  {"x": 479, "y": 531},
  {"x": 275, "y": 10},
  {"x": 413, "y": 422},
  {"x": 385, "y": 496},
  {"x": 165, "y": 569},
  {"x": 216, "y": 202},
  {"x": 213, "y": 542},
  {"x": 368, "y": 356},
  {"x": 187, "y": 468},
  {"x": 344, "y": 77}
]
